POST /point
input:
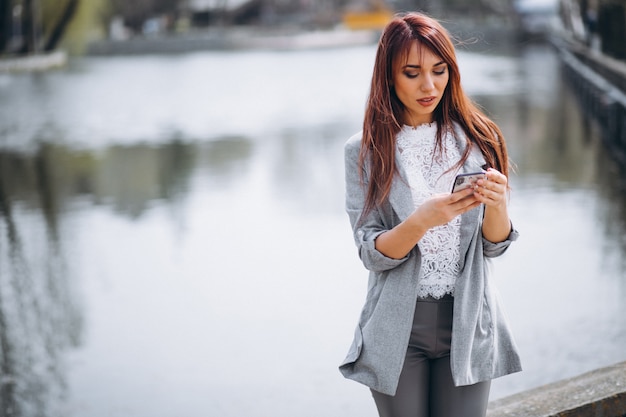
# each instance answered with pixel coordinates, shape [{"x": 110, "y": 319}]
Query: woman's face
[{"x": 419, "y": 83}]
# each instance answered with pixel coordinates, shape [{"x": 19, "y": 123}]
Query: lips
[{"x": 427, "y": 101}]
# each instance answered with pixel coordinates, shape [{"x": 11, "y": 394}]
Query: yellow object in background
[{"x": 374, "y": 17}]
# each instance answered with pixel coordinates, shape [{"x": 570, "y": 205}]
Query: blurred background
[{"x": 173, "y": 239}]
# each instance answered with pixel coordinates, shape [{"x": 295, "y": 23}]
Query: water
[{"x": 173, "y": 240}]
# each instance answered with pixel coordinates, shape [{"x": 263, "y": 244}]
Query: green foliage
[
  {"x": 46, "y": 22},
  {"x": 87, "y": 25}
]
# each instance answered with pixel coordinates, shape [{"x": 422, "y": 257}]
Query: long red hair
[{"x": 384, "y": 111}]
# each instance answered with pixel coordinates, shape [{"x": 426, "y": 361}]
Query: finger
[
  {"x": 465, "y": 208},
  {"x": 486, "y": 195},
  {"x": 496, "y": 176},
  {"x": 462, "y": 205},
  {"x": 460, "y": 195},
  {"x": 491, "y": 198},
  {"x": 493, "y": 184},
  {"x": 473, "y": 206},
  {"x": 490, "y": 189}
]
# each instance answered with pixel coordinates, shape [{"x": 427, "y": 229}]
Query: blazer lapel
[{"x": 400, "y": 195}]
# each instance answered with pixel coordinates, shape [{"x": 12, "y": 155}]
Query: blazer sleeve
[
  {"x": 492, "y": 250},
  {"x": 365, "y": 229}
]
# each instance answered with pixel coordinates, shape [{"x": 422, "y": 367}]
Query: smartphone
[{"x": 463, "y": 181}]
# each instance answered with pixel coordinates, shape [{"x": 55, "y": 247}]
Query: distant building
[
  {"x": 211, "y": 12},
  {"x": 207, "y": 5},
  {"x": 303, "y": 13},
  {"x": 536, "y": 18}
]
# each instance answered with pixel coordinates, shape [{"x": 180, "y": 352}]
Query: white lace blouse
[{"x": 426, "y": 172}]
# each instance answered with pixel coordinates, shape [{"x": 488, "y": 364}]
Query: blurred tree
[
  {"x": 38, "y": 30},
  {"x": 5, "y": 23},
  {"x": 88, "y": 24},
  {"x": 61, "y": 25},
  {"x": 29, "y": 27}
]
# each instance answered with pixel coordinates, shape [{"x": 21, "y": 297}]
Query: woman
[{"x": 431, "y": 334}]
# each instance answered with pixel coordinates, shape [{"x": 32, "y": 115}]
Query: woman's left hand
[{"x": 492, "y": 192}]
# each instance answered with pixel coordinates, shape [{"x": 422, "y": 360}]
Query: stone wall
[{"x": 599, "y": 393}]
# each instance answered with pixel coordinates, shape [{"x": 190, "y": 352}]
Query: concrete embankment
[
  {"x": 37, "y": 62},
  {"x": 232, "y": 40},
  {"x": 599, "y": 393}
]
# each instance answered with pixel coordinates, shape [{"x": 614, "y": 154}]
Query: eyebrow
[{"x": 419, "y": 67}]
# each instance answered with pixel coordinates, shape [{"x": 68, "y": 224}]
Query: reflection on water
[
  {"x": 39, "y": 312},
  {"x": 184, "y": 250}
]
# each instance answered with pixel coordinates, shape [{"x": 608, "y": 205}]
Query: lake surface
[{"x": 173, "y": 240}]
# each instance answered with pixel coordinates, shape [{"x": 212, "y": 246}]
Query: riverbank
[
  {"x": 599, "y": 393},
  {"x": 489, "y": 32},
  {"x": 233, "y": 39},
  {"x": 34, "y": 63}
]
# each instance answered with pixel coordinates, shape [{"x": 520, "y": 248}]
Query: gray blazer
[{"x": 482, "y": 344}]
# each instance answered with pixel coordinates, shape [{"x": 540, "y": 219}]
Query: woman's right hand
[
  {"x": 442, "y": 208},
  {"x": 437, "y": 210}
]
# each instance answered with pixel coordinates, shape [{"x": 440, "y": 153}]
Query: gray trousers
[{"x": 425, "y": 388}]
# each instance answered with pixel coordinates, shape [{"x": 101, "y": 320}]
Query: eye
[
  {"x": 440, "y": 71},
  {"x": 411, "y": 74}
]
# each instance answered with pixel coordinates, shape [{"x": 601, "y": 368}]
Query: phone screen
[{"x": 463, "y": 181}]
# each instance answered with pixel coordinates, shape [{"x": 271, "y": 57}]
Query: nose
[{"x": 427, "y": 83}]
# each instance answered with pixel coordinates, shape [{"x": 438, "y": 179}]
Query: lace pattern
[{"x": 426, "y": 169}]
